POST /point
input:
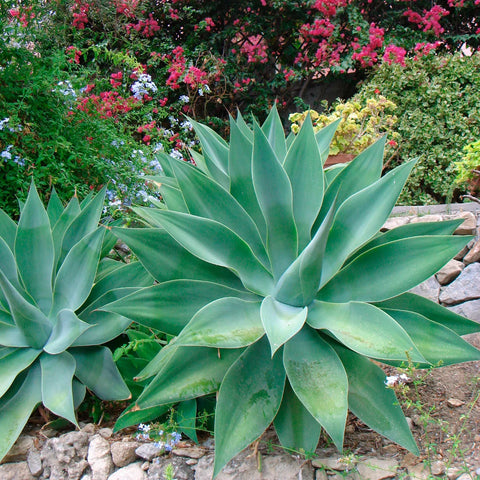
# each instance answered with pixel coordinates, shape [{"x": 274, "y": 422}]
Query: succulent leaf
[
  {"x": 54, "y": 208},
  {"x": 17, "y": 360},
  {"x": 8, "y": 230},
  {"x": 273, "y": 130}
]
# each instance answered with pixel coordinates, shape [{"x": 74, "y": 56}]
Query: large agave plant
[
  {"x": 281, "y": 290},
  {"x": 52, "y": 282}
]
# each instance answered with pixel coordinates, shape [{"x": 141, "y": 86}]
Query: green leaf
[
  {"x": 188, "y": 373},
  {"x": 54, "y": 208},
  {"x": 13, "y": 363},
  {"x": 248, "y": 401},
  {"x": 134, "y": 416},
  {"x": 214, "y": 243},
  {"x": 173, "y": 198},
  {"x": 406, "y": 263},
  {"x": 31, "y": 321},
  {"x": 365, "y": 329},
  {"x": 206, "y": 198},
  {"x": 297, "y": 430},
  {"x": 433, "y": 311},
  {"x": 273, "y": 130},
  {"x": 185, "y": 418},
  {"x": 303, "y": 165},
  {"x": 57, "y": 378},
  {"x": 16, "y": 407},
  {"x": 75, "y": 277},
  {"x": 372, "y": 402},
  {"x": 169, "y": 306},
  {"x": 318, "y": 379},
  {"x": 34, "y": 251},
  {"x": 360, "y": 217},
  {"x": 8, "y": 266},
  {"x": 8, "y": 230},
  {"x": 66, "y": 330},
  {"x": 11, "y": 336},
  {"x": 280, "y": 321},
  {"x": 242, "y": 125},
  {"x": 324, "y": 137},
  {"x": 97, "y": 371},
  {"x": 72, "y": 210},
  {"x": 437, "y": 343},
  {"x": 275, "y": 197},
  {"x": 167, "y": 260},
  {"x": 224, "y": 323},
  {"x": 199, "y": 161}
]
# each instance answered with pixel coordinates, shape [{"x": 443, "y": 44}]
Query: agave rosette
[
  {"x": 281, "y": 290},
  {"x": 52, "y": 282}
]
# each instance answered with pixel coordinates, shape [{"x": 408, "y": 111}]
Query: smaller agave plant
[
  {"x": 52, "y": 282},
  {"x": 282, "y": 291}
]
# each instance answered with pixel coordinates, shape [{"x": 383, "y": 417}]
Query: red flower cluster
[
  {"x": 80, "y": 10},
  {"x": 74, "y": 54},
  {"x": 146, "y": 27}
]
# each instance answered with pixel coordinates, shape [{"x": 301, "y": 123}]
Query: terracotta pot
[{"x": 340, "y": 158}]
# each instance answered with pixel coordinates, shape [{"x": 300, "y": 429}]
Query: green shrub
[
  {"x": 467, "y": 168},
  {"x": 280, "y": 289},
  {"x": 438, "y": 115}
]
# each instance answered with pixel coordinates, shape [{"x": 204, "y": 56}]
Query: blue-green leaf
[
  {"x": 54, "y": 208},
  {"x": 8, "y": 230},
  {"x": 185, "y": 418},
  {"x": 324, "y": 138},
  {"x": 13, "y": 363},
  {"x": 273, "y": 130}
]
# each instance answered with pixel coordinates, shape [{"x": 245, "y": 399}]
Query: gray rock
[
  {"x": 394, "y": 222},
  {"x": 377, "y": 468},
  {"x": 15, "y": 471},
  {"x": 189, "y": 452},
  {"x": 34, "y": 462},
  {"x": 147, "y": 451},
  {"x": 123, "y": 453},
  {"x": 99, "y": 458},
  {"x": 330, "y": 463},
  {"x": 469, "y": 225},
  {"x": 438, "y": 467},
  {"x": 19, "y": 450},
  {"x": 470, "y": 310},
  {"x": 473, "y": 255},
  {"x": 428, "y": 218},
  {"x": 466, "y": 287},
  {"x": 106, "y": 432},
  {"x": 131, "y": 472},
  {"x": 430, "y": 289},
  {"x": 449, "y": 272},
  {"x": 181, "y": 471}
]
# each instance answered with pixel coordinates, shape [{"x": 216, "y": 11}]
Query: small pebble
[{"x": 455, "y": 402}]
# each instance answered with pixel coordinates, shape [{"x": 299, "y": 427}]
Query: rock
[
  {"x": 321, "y": 475},
  {"x": 180, "y": 470},
  {"x": 473, "y": 255},
  {"x": 190, "y": 452},
  {"x": 331, "y": 463},
  {"x": 147, "y": 451},
  {"x": 99, "y": 458},
  {"x": 191, "y": 461},
  {"x": 470, "y": 310},
  {"x": 466, "y": 287},
  {"x": 469, "y": 225},
  {"x": 394, "y": 222},
  {"x": 430, "y": 289},
  {"x": 438, "y": 467},
  {"x": 89, "y": 429},
  {"x": 15, "y": 471},
  {"x": 123, "y": 453},
  {"x": 377, "y": 468},
  {"x": 106, "y": 432},
  {"x": 131, "y": 472},
  {"x": 427, "y": 218},
  {"x": 19, "y": 450},
  {"x": 454, "y": 472},
  {"x": 419, "y": 472},
  {"x": 461, "y": 254},
  {"x": 449, "y": 272},
  {"x": 466, "y": 476},
  {"x": 455, "y": 402},
  {"x": 34, "y": 462}
]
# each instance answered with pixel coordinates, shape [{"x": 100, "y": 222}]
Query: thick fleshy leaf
[
  {"x": 79, "y": 391},
  {"x": 16, "y": 407},
  {"x": 275, "y": 197},
  {"x": 324, "y": 138},
  {"x": 167, "y": 260},
  {"x": 14, "y": 363},
  {"x": 297, "y": 430},
  {"x": 371, "y": 402},
  {"x": 433, "y": 311},
  {"x": 437, "y": 343},
  {"x": 240, "y": 174},
  {"x": 185, "y": 418},
  {"x": 206, "y": 198},
  {"x": 281, "y": 321},
  {"x": 72, "y": 210},
  {"x": 8, "y": 230},
  {"x": 11, "y": 336},
  {"x": 215, "y": 152},
  {"x": 34, "y": 251},
  {"x": 300, "y": 282},
  {"x": 331, "y": 173},
  {"x": 31, "y": 321},
  {"x": 303, "y": 165},
  {"x": 75, "y": 278},
  {"x": 318, "y": 378},
  {"x": 190, "y": 372},
  {"x": 169, "y": 306},
  {"x": 365, "y": 329},
  {"x": 8, "y": 266},
  {"x": 66, "y": 330},
  {"x": 248, "y": 401},
  {"x": 242, "y": 125},
  {"x": 199, "y": 160},
  {"x": 214, "y": 243},
  {"x": 57, "y": 378},
  {"x": 364, "y": 279},
  {"x": 360, "y": 217},
  {"x": 54, "y": 208},
  {"x": 173, "y": 198},
  {"x": 97, "y": 371},
  {"x": 273, "y": 130},
  {"x": 224, "y": 323},
  {"x": 134, "y": 416}
]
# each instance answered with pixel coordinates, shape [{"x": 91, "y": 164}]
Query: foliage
[
  {"x": 361, "y": 124},
  {"x": 272, "y": 275},
  {"x": 470, "y": 162},
  {"x": 53, "y": 279},
  {"x": 438, "y": 115}
]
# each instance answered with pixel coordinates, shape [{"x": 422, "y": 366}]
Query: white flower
[
  {"x": 143, "y": 86},
  {"x": 176, "y": 154},
  {"x": 394, "y": 380},
  {"x": 184, "y": 99}
]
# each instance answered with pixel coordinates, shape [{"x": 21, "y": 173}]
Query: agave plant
[
  {"x": 281, "y": 290},
  {"x": 52, "y": 282}
]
